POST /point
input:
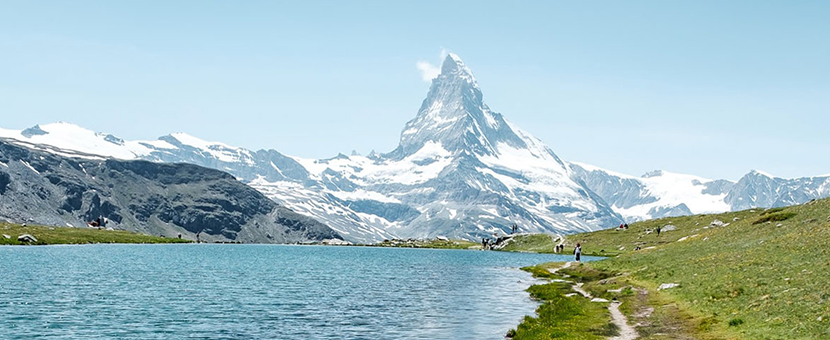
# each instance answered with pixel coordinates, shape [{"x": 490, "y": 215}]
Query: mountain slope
[
  {"x": 152, "y": 198},
  {"x": 660, "y": 194},
  {"x": 460, "y": 170},
  {"x": 467, "y": 171}
]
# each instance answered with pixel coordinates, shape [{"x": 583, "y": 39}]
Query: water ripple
[{"x": 260, "y": 292}]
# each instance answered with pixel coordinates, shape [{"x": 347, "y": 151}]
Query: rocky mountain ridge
[{"x": 152, "y": 198}]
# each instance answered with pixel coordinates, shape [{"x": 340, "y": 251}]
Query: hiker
[
  {"x": 626, "y": 226},
  {"x": 658, "y": 231},
  {"x": 180, "y": 236},
  {"x": 197, "y": 237},
  {"x": 483, "y": 243},
  {"x": 578, "y": 252}
]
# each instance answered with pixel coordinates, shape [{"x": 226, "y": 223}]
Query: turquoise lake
[{"x": 202, "y": 291}]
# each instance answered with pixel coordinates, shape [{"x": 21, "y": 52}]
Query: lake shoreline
[{"x": 47, "y": 235}]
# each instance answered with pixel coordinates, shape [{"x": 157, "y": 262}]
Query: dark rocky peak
[
  {"x": 654, "y": 173},
  {"x": 33, "y": 131}
]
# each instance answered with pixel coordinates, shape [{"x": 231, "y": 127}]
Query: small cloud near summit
[{"x": 429, "y": 70}]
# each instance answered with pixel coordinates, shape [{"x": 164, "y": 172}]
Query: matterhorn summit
[{"x": 455, "y": 115}]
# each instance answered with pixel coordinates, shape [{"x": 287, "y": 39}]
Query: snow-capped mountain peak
[
  {"x": 71, "y": 137},
  {"x": 454, "y": 114},
  {"x": 761, "y": 174},
  {"x": 453, "y": 66}
]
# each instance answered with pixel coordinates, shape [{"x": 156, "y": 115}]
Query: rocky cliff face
[{"x": 153, "y": 198}]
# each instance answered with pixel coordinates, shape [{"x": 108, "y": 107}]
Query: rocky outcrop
[
  {"x": 26, "y": 238},
  {"x": 152, "y": 198}
]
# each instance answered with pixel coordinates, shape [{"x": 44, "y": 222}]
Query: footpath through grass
[
  {"x": 754, "y": 274},
  {"x": 66, "y": 235}
]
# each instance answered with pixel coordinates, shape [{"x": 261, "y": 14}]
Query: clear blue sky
[{"x": 712, "y": 88}]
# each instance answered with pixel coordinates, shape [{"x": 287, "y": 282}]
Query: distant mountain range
[
  {"x": 662, "y": 194},
  {"x": 460, "y": 170},
  {"x": 152, "y": 198}
]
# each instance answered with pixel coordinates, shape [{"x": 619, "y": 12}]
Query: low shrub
[
  {"x": 772, "y": 211},
  {"x": 775, "y": 217}
]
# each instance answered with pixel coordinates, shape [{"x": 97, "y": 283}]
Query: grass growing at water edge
[
  {"x": 535, "y": 243},
  {"x": 66, "y": 235},
  {"x": 561, "y": 316}
]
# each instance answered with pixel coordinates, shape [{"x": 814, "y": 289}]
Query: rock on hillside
[{"x": 152, "y": 198}]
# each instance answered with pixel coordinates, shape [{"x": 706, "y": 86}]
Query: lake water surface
[{"x": 202, "y": 291}]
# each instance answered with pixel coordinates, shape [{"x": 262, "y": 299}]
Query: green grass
[
  {"x": 560, "y": 316},
  {"x": 772, "y": 211},
  {"x": 536, "y": 243},
  {"x": 747, "y": 280},
  {"x": 776, "y": 217},
  {"x": 432, "y": 244},
  {"x": 65, "y": 235}
]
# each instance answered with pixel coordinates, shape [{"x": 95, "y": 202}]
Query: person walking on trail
[
  {"x": 578, "y": 252},
  {"x": 658, "y": 231}
]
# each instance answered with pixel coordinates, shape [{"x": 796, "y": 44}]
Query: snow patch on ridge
[{"x": 420, "y": 167}]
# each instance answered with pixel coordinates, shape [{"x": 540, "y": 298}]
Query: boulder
[
  {"x": 442, "y": 238},
  {"x": 668, "y": 286},
  {"x": 8, "y": 237},
  {"x": 26, "y": 238}
]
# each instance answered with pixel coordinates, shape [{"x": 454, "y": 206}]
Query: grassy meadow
[
  {"x": 66, "y": 235},
  {"x": 753, "y": 274},
  {"x": 537, "y": 243},
  {"x": 432, "y": 244}
]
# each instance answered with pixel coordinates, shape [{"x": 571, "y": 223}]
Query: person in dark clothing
[
  {"x": 578, "y": 252},
  {"x": 658, "y": 231}
]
